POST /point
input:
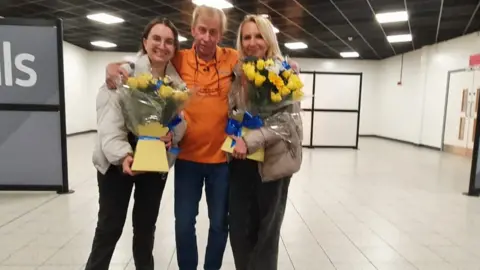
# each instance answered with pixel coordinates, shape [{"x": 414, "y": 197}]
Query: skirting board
[
  {"x": 82, "y": 132},
  {"x": 401, "y": 141}
]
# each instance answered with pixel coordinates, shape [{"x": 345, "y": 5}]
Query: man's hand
[{"x": 114, "y": 72}]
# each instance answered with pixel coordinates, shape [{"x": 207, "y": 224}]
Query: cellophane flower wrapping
[
  {"x": 268, "y": 91},
  {"x": 146, "y": 100}
]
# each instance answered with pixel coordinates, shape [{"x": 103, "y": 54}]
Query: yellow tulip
[
  {"x": 298, "y": 94},
  {"x": 166, "y": 80},
  {"x": 259, "y": 79},
  {"x": 260, "y": 64},
  {"x": 146, "y": 76},
  {"x": 299, "y": 85},
  {"x": 286, "y": 73},
  {"x": 184, "y": 96},
  {"x": 247, "y": 66},
  {"x": 279, "y": 83},
  {"x": 269, "y": 63},
  {"x": 284, "y": 91},
  {"x": 275, "y": 97},
  {"x": 132, "y": 82},
  {"x": 250, "y": 72},
  {"x": 294, "y": 82},
  {"x": 180, "y": 95},
  {"x": 272, "y": 77},
  {"x": 142, "y": 83},
  {"x": 166, "y": 91}
]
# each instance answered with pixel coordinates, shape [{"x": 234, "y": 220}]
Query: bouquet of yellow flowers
[
  {"x": 151, "y": 109},
  {"x": 271, "y": 84},
  {"x": 260, "y": 97}
]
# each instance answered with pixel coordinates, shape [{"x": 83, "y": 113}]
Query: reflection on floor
[{"x": 385, "y": 206}]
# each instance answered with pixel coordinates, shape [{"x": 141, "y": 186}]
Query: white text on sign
[{"x": 19, "y": 65}]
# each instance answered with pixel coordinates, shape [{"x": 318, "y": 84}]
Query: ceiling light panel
[
  {"x": 399, "y": 38},
  {"x": 105, "y": 18},
  {"x": 103, "y": 44},
  {"x": 220, "y": 4},
  {"x": 392, "y": 17},
  {"x": 296, "y": 45},
  {"x": 181, "y": 38},
  {"x": 349, "y": 54}
]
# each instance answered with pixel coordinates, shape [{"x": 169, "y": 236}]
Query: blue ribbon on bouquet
[
  {"x": 234, "y": 127},
  {"x": 286, "y": 65},
  {"x": 158, "y": 85},
  {"x": 171, "y": 125},
  {"x": 148, "y": 138}
]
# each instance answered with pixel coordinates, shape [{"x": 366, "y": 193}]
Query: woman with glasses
[{"x": 113, "y": 158}]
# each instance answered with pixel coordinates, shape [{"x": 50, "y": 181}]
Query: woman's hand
[
  {"x": 114, "y": 72},
  {"x": 127, "y": 165},
  {"x": 240, "y": 149},
  {"x": 167, "y": 139},
  {"x": 294, "y": 65}
]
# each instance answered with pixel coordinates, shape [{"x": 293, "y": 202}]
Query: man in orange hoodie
[{"x": 208, "y": 69}]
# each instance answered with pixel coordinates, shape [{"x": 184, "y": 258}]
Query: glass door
[
  {"x": 458, "y": 120},
  {"x": 474, "y": 95}
]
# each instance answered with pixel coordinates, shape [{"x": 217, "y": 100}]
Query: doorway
[{"x": 462, "y": 104}]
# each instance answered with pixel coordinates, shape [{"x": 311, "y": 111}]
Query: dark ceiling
[{"x": 325, "y": 25}]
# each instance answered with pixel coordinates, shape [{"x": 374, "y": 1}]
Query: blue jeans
[{"x": 189, "y": 179}]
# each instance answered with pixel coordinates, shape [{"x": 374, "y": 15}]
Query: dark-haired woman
[{"x": 113, "y": 157}]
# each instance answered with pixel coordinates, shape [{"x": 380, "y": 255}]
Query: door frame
[
  {"x": 312, "y": 110},
  {"x": 442, "y": 147}
]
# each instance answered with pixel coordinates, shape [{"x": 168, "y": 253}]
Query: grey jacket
[
  {"x": 112, "y": 144},
  {"x": 282, "y": 158}
]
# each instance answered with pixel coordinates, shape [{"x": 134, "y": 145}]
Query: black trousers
[
  {"x": 256, "y": 215},
  {"x": 115, "y": 189}
]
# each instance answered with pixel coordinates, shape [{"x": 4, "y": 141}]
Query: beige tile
[
  {"x": 30, "y": 256},
  {"x": 387, "y": 204},
  {"x": 353, "y": 266},
  {"x": 61, "y": 267},
  {"x": 435, "y": 266},
  {"x": 382, "y": 255}
]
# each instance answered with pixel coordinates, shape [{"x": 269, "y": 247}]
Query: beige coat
[
  {"x": 282, "y": 158},
  {"x": 112, "y": 144}
]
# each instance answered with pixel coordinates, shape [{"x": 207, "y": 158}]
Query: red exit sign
[{"x": 475, "y": 60}]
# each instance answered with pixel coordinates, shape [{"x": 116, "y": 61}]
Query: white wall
[
  {"x": 79, "y": 99},
  {"x": 398, "y": 107},
  {"x": 411, "y": 112},
  {"x": 84, "y": 73},
  {"x": 414, "y": 111},
  {"x": 370, "y": 75}
]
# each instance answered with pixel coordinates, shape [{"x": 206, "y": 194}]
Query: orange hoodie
[{"x": 207, "y": 112}]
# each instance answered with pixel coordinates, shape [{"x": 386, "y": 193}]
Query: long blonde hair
[{"x": 266, "y": 30}]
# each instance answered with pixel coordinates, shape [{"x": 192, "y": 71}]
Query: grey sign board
[
  {"x": 30, "y": 148},
  {"x": 28, "y": 65},
  {"x": 32, "y": 106}
]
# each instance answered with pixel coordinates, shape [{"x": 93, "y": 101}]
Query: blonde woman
[{"x": 258, "y": 191}]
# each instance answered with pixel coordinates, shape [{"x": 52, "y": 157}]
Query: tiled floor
[{"x": 386, "y": 206}]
